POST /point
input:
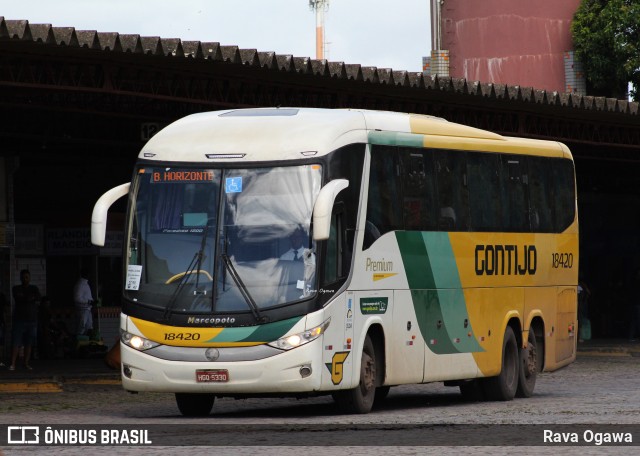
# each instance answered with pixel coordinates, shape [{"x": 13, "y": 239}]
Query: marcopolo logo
[{"x": 210, "y": 320}]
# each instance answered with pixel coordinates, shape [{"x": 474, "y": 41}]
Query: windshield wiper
[
  {"x": 199, "y": 257},
  {"x": 242, "y": 287},
  {"x": 195, "y": 264}
]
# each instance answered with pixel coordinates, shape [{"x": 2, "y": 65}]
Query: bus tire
[
  {"x": 529, "y": 367},
  {"x": 503, "y": 387},
  {"x": 195, "y": 404},
  {"x": 360, "y": 399}
]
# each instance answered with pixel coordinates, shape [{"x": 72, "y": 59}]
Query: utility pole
[{"x": 319, "y": 6}]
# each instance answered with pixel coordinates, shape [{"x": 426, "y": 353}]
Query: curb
[
  {"x": 54, "y": 385},
  {"x": 31, "y": 387}
]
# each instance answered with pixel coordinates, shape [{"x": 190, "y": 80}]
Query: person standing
[
  {"x": 25, "y": 318},
  {"x": 83, "y": 299}
]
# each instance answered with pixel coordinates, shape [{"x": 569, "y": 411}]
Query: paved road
[{"x": 595, "y": 390}]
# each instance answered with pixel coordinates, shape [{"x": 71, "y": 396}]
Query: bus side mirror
[
  {"x": 99, "y": 215},
  {"x": 323, "y": 207}
]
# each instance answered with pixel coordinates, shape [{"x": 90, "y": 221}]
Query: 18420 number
[
  {"x": 562, "y": 260},
  {"x": 181, "y": 336}
]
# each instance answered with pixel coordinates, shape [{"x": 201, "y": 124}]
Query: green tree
[{"x": 606, "y": 37}]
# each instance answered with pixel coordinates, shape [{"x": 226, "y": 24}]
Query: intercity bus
[{"x": 429, "y": 251}]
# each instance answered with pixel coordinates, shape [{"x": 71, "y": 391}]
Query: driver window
[{"x": 333, "y": 263}]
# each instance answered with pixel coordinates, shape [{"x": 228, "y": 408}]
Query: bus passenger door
[{"x": 405, "y": 346}]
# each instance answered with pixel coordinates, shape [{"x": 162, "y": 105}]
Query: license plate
[{"x": 212, "y": 376}]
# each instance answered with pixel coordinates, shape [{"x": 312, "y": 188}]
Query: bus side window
[
  {"x": 453, "y": 195},
  {"x": 484, "y": 191},
  {"x": 540, "y": 194},
  {"x": 333, "y": 267},
  {"x": 515, "y": 217},
  {"x": 385, "y": 191},
  {"x": 564, "y": 203},
  {"x": 419, "y": 196}
]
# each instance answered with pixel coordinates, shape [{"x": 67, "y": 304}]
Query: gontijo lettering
[{"x": 506, "y": 259}]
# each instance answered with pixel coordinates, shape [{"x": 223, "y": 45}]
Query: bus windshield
[{"x": 204, "y": 240}]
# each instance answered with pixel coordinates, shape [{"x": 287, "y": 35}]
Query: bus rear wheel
[
  {"x": 530, "y": 365},
  {"x": 504, "y": 386},
  {"x": 195, "y": 404},
  {"x": 360, "y": 399}
]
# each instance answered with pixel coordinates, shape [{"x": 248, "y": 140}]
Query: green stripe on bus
[
  {"x": 431, "y": 321},
  {"x": 442, "y": 260},
  {"x": 436, "y": 290},
  {"x": 454, "y": 312},
  {"x": 272, "y": 331},
  {"x": 263, "y": 333},
  {"x": 392, "y": 138},
  {"x": 416, "y": 260}
]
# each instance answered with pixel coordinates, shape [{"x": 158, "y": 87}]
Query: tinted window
[
  {"x": 440, "y": 190},
  {"x": 347, "y": 163},
  {"x": 419, "y": 201},
  {"x": 515, "y": 216},
  {"x": 332, "y": 260},
  {"x": 453, "y": 199},
  {"x": 483, "y": 175},
  {"x": 564, "y": 194},
  {"x": 384, "y": 213},
  {"x": 541, "y": 201}
]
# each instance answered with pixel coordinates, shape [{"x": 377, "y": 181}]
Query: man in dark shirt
[{"x": 25, "y": 318}]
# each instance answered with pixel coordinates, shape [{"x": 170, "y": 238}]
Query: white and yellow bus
[{"x": 292, "y": 251}]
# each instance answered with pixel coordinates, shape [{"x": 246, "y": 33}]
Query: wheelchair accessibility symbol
[{"x": 233, "y": 185}]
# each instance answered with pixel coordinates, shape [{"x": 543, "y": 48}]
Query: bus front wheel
[
  {"x": 195, "y": 404},
  {"x": 504, "y": 386},
  {"x": 360, "y": 399}
]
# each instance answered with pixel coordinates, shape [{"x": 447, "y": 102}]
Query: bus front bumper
[{"x": 294, "y": 371}]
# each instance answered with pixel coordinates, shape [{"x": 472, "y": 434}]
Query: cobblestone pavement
[{"x": 592, "y": 391}]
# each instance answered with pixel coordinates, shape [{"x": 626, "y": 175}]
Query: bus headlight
[
  {"x": 295, "y": 340},
  {"x": 137, "y": 342}
]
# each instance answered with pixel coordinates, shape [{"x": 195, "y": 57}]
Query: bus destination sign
[{"x": 175, "y": 176}]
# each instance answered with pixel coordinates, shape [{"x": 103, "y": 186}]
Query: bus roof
[{"x": 268, "y": 134}]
